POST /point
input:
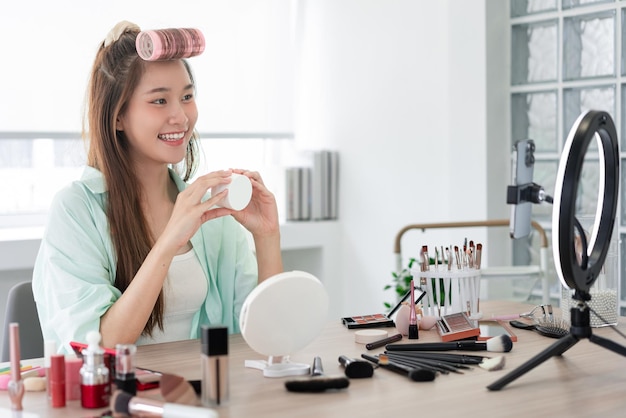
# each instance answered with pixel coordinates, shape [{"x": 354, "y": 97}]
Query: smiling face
[{"x": 161, "y": 114}]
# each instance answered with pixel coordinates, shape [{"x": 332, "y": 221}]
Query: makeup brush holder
[{"x": 449, "y": 291}]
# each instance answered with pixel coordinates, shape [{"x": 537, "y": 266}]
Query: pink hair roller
[{"x": 169, "y": 44}]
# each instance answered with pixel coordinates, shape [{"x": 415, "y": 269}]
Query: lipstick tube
[
  {"x": 49, "y": 348},
  {"x": 214, "y": 363},
  {"x": 57, "y": 380}
]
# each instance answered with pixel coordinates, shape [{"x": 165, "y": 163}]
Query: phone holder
[{"x": 530, "y": 192}]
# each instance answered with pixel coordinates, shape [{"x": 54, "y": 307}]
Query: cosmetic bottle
[
  {"x": 214, "y": 363},
  {"x": 49, "y": 348},
  {"x": 125, "y": 368},
  {"x": 95, "y": 387},
  {"x": 72, "y": 378},
  {"x": 57, "y": 380}
]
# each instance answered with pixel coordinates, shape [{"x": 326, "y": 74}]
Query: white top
[{"x": 184, "y": 289}]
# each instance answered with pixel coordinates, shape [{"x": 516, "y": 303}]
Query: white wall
[
  {"x": 243, "y": 76},
  {"x": 398, "y": 87}
]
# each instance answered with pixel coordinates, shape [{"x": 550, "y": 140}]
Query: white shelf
[{"x": 19, "y": 246}]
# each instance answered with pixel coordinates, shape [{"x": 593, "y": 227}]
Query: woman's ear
[{"x": 119, "y": 124}]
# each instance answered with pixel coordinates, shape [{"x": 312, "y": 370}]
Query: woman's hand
[
  {"x": 260, "y": 217},
  {"x": 190, "y": 212}
]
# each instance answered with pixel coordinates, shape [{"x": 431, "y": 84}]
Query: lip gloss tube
[
  {"x": 214, "y": 363},
  {"x": 125, "y": 368},
  {"x": 16, "y": 386},
  {"x": 413, "y": 328}
]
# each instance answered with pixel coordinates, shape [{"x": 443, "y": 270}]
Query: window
[
  {"x": 244, "y": 80},
  {"x": 35, "y": 166},
  {"x": 568, "y": 57}
]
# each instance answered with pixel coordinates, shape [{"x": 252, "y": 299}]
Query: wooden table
[{"x": 586, "y": 381}]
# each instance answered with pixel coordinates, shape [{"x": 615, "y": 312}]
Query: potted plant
[{"x": 401, "y": 282}]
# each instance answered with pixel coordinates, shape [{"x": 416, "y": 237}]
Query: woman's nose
[{"x": 178, "y": 115}]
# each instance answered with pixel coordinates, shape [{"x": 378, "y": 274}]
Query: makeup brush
[
  {"x": 318, "y": 382},
  {"x": 356, "y": 369},
  {"x": 416, "y": 374},
  {"x": 501, "y": 344},
  {"x": 479, "y": 251},
  {"x": 446, "y": 363},
  {"x": 455, "y": 360},
  {"x": 124, "y": 404},
  {"x": 446, "y": 357},
  {"x": 436, "y": 366},
  {"x": 492, "y": 364}
]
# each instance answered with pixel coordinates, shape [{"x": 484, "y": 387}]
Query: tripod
[{"x": 580, "y": 328}]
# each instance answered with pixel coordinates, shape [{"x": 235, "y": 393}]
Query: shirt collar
[{"x": 93, "y": 179}]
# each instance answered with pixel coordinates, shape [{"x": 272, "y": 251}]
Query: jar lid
[{"x": 366, "y": 336}]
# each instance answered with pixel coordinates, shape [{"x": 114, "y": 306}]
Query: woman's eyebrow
[{"x": 189, "y": 86}]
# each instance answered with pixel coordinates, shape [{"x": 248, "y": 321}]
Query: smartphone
[
  {"x": 522, "y": 166},
  {"x": 489, "y": 329}
]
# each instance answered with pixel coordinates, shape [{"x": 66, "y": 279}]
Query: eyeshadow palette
[
  {"x": 368, "y": 321},
  {"x": 456, "y": 327},
  {"x": 380, "y": 319}
]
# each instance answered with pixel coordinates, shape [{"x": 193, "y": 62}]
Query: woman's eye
[
  {"x": 187, "y": 97},
  {"x": 159, "y": 101}
]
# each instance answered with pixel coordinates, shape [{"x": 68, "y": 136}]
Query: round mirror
[{"x": 280, "y": 317}]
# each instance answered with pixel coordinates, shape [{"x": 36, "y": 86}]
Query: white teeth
[{"x": 172, "y": 137}]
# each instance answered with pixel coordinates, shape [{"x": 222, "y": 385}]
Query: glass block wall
[{"x": 567, "y": 57}]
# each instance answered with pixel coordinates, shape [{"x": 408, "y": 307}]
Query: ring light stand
[{"x": 576, "y": 275}]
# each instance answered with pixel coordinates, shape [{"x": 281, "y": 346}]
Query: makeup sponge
[
  {"x": 4, "y": 381},
  {"x": 239, "y": 192},
  {"x": 35, "y": 384},
  {"x": 365, "y": 336}
]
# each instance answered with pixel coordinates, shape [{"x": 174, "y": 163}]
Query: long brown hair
[{"x": 116, "y": 72}]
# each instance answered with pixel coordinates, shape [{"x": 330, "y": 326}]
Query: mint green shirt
[{"x": 75, "y": 269}]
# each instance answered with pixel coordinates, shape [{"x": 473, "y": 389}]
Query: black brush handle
[
  {"x": 445, "y": 346},
  {"x": 438, "y": 364},
  {"x": 417, "y": 374},
  {"x": 450, "y": 358},
  {"x": 384, "y": 341},
  {"x": 317, "y": 384}
]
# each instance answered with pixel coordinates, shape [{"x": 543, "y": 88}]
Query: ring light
[
  {"x": 572, "y": 273},
  {"x": 576, "y": 275}
]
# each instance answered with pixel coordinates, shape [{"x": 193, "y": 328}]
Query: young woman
[{"x": 132, "y": 250}]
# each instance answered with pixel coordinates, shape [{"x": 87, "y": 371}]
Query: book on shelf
[
  {"x": 298, "y": 188},
  {"x": 313, "y": 192}
]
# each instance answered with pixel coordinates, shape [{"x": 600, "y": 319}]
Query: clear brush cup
[{"x": 604, "y": 291}]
